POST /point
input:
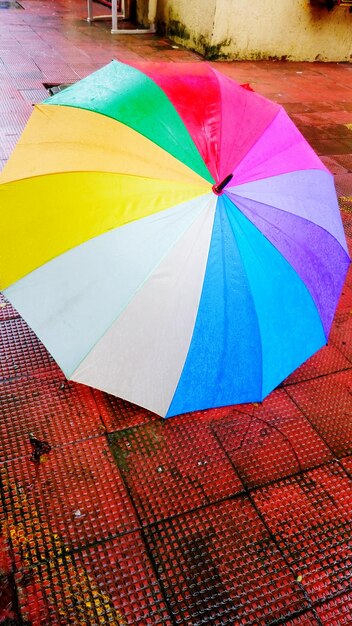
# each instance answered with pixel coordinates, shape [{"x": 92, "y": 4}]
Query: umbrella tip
[{"x": 218, "y": 189}]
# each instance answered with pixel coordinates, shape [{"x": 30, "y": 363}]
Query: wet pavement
[{"x": 234, "y": 516}]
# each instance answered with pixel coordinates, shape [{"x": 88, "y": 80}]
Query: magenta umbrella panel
[{"x": 214, "y": 258}]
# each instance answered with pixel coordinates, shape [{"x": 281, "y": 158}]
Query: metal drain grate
[
  {"x": 10, "y": 4},
  {"x": 54, "y": 88}
]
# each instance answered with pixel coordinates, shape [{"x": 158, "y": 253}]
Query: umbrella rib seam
[
  {"x": 146, "y": 278},
  {"x": 254, "y": 307},
  {"x": 252, "y": 146},
  {"x": 294, "y": 214},
  {"x": 93, "y": 171},
  {"x": 293, "y": 268},
  {"x": 187, "y": 150}
]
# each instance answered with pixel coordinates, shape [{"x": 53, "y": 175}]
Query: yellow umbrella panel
[{"x": 76, "y": 174}]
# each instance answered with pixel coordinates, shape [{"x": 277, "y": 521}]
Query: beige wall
[
  {"x": 146, "y": 12},
  {"x": 255, "y": 29}
]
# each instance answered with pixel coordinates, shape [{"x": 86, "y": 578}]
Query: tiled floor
[{"x": 235, "y": 516}]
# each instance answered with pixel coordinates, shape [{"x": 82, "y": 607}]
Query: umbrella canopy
[{"x": 170, "y": 237}]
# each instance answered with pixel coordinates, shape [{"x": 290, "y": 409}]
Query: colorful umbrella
[{"x": 171, "y": 237}]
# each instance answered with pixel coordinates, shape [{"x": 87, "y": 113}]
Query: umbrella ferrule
[{"x": 218, "y": 189}]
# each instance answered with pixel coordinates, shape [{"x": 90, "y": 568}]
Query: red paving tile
[
  {"x": 331, "y": 146},
  {"x": 71, "y": 523},
  {"x": 72, "y": 499},
  {"x": 347, "y": 224},
  {"x": 173, "y": 466},
  {"x": 314, "y": 134},
  {"x": 341, "y": 334},
  {"x": 7, "y": 145},
  {"x": 11, "y": 125},
  {"x": 336, "y": 612},
  {"x": 327, "y": 361},
  {"x": 34, "y": 96},
  {"x": 22, "y": 354},
  {"x": 333, "y": 165},
  {"x": 325, "y": 117},
  {"x": 53, "y": 410},
  {"x": 346, "y": 213},
  {"x": 272, "y": 442},
  {"x": 219, "y": 565},
  {"x": 343, "y": 182},
  {"x": 347, "y": 464},
  {"x": 310, "y": 518},
  {"x": 327, "y": 404},
  {"x": 110, "y": 583},
  {"x": 8, "y": 601},
  {"x": 118, "y": 414},
  {"x": 6, "y": 568},
  {"x": 306, "y": 619},
  {"x": 7, "y": 587},
  {"x": 5, "y": 558},
  {"x": 15, "y": 107},
  {"x": 345, "y": 302},
  {"x": 345, "y": 161},
  {"x": 7, "y": 312}
]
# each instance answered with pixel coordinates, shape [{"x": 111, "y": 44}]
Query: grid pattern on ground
[
  {"x": 345, "y": 302},
  {"x": 311, "y": 520},
  {"x": 347, "y": 464},
  {"x": 327, "y": 404},
  {"x": 22, "y": 354},
  {"x": 272, "y": 442},
  {"x": 8, "y": 143},
  {"x": 8, "y": 601},
  {"x": 172, "y": 466},
  {"x": 219, "y": 566},
  {"x": 118, "y": 414},
  {"x": 54, "y": 411},
  {"x": 11, "y": 126},
  {"x": 341, "y": 334},
  {"x": 109, "y": 583},
  {"x": 346, "y": 214},
  {"x": 7, "y": 312},
  {"x": 304, "y": 619},
  {"x": 34, "y": 96},
  {"x": 5, "y": 558},
  {"x": 328, "y": 360},
  {"x": 336, "y": 612},
  {"x": 13, "y": 107},
  {"x": 75, "y": 497}
]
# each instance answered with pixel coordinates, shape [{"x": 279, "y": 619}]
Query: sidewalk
[{"x": 235, "y": 516}]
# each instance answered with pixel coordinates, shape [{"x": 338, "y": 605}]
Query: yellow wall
[{"x": 255, "y": 29}]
